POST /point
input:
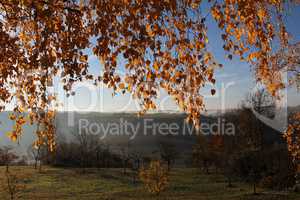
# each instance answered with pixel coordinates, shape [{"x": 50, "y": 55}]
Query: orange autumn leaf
[{"x": 40, "y": 47}]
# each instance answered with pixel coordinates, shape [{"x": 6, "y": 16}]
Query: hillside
[{"x": 122, "y": 129}]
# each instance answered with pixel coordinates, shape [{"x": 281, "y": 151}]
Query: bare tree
[
  {"x": 7, "y": 156},
  {"x": 168, "y": 153},
  {"x": 288, "y": 60},
  {"x": 202, "y": 155},
  {"x": 88, "y": 148},
  {"x": 82, "y": 140},
  {"x": 125, "y": 157},
  {"x": 262, "y": 103},
  {"x": 37, "y": 153},
  {"x": 136, "y": 161}
]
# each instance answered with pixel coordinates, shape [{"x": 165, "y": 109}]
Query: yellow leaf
[
  {"x": 156, "y": 66},
  {"x": 12, "y": 117},
  {"x": 83, "y": 58}
]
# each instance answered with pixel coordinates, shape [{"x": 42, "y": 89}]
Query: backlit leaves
[
  {"x": 249, "y": 32},
  {"x": 292, "y": 136},
  {"x": 288, "y": 61},
  {"x": 164, "y": 45}
]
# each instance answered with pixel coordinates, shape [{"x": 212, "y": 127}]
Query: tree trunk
[
  {"x": 40, "y": 167},
  {"x": 229, "y": 182},
  {"x": 124, "y": 167},
  {"x": 35, "y": 164}
]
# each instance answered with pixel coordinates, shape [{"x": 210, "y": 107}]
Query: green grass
[{"x": 111, "y": 184}]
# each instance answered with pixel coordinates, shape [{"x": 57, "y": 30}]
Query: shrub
[
  {"x": 267, "y": 182},
  {"x": 155, "y": 177}
]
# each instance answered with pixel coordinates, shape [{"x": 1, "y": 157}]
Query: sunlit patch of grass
[{"x": 112, "y": 184}]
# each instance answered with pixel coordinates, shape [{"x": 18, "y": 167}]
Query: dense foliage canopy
[{"x": 163, "y": 43}]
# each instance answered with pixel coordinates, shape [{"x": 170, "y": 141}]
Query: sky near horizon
[{"x": 234, "y": 81}]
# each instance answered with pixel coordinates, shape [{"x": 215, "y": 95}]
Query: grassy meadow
[{"x": 112, "y": 184}]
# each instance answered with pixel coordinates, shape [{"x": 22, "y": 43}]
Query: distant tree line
[
  {"x": 256, "y": 154},
  {"x": 9, "y": 157}
]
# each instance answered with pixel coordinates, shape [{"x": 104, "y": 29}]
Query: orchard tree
[
  {"x": 163, "y": 43},
  {"x": 250, "y": 127},
  {"x": 168, "y": 153},
  {"x": 202, "y": 154}
]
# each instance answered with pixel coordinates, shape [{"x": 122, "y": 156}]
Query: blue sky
[{"x": 234, "y": 81}]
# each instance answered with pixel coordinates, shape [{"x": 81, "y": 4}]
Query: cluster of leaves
[
  {"x": 249, "y": 31},
  {"x": 164, "y": 45},
  {"x": 288, "y": 61},
  {"x": 155, "y": 177},
  {"x": 292, "y": 136}
]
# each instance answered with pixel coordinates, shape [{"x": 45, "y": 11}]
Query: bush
[
  {"x": 267, "y": 182},
  {"x": 155, "y": 177}
]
